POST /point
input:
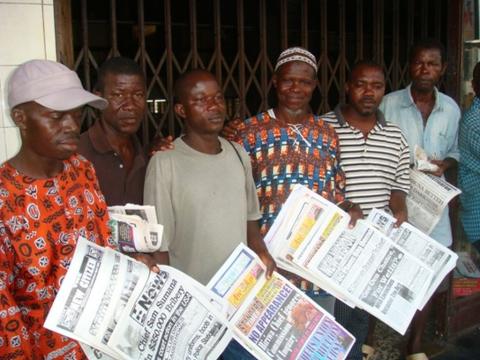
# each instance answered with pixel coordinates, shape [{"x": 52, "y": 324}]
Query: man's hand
[
  {"x": 152, "y": 260},
  {"x": 353, "y": 210},
  {"x": 269, "y": 263},
  {"x": 443, "y": 165},
  {"x": 230, "y": 129},
  {"x": 401, "y": 216},
  {"x": 161, "y": 144}
]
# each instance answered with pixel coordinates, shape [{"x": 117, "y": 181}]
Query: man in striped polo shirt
[{"x": 375, "y": 158}]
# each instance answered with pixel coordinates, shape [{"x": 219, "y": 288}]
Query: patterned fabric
[
  {"x": 40, "y": 221},
  {"x": 285, "y": 156},
  {"x": 281, "y": 157},
  {"x": 469, "y": 171},
  {"x": 296, "y": 54}
]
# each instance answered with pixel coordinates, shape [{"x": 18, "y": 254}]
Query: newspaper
[
  {"x": 118, "y": 307},
  {"x": 271, "y": 317},
  {"x": 135, "y": 228},
  {"x": 439, "y": 258},
  {"x": 427, "y": 198},
  {"x": 361, "y": 265}
]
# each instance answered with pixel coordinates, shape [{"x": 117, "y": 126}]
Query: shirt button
[{"x": 121, "y": 166}]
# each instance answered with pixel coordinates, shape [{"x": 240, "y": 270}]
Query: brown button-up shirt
[{"x": 118, "y": 186}]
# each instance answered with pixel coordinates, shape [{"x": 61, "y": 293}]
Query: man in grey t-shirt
[{"x": 203, "y": 190}]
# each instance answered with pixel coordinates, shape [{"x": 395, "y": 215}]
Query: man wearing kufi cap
[
  {"x": 289, "y": 145},
  {"x": 48, "y": 197}
]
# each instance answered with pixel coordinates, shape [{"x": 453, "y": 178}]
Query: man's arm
[
  {"x": 443, "y": 165},
  {"x": 398, "y": 206},
  {"x": 16, "y": 335},
  {"x": 256, "y": 243}
]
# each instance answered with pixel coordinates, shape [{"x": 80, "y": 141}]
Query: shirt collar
[
  {"x": 100, "y": 143},
  {"x": 341, "y": 120},
  {"x": 408, "y": 99}
]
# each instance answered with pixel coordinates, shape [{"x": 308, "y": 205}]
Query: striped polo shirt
[{"x": 373, "y": 166}]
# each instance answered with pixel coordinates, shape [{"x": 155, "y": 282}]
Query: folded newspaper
[
  {"x": 121, "y": 310},
  {"x": 135, "y": 228},
  {"x": 429, "y": 195},
  {"x": 272, "y": 318},
  {"x": 389, "y": 273}
]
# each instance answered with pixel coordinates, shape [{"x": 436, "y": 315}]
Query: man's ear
[
  {"x": 180, "y": 110},
  {"x": 274, "y": 80},
  {"x": 19, "y": 117}
]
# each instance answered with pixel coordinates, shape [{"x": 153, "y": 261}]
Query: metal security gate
[{"x": 239, "y": 40}]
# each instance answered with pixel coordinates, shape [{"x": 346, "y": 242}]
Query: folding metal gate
[{"x": 239, "y": 40}]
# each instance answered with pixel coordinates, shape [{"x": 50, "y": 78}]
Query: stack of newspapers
[
  {"x": 387, "y": 271},
  {"x": 118, "y": 309},
  {"x": 135, "y": 228}
]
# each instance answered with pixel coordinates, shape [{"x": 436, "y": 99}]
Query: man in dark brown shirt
[{"x": 111, "y": 144}]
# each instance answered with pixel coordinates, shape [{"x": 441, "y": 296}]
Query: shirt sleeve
[
  {"x": 453, "y": 152},
  {"x": 339, "y": 185},
  {"x": 15, "y": 337},
  {"x": 402, "y": 176},
  {"x": 157, "y": 192},
  {"x": 469, "y": 138}
]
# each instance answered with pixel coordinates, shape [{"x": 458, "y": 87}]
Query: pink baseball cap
[{"x": 49, "y": 84}]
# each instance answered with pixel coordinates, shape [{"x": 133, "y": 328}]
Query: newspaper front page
[
  {"x": 439, "y": 258},
  {"x": 272, "y": 318},
  {"x": 377, "y": 275},
  {"x": 117, "y": 306},
  {"x": 427, "y": 198},
  {"x": 360, "y": 266}
]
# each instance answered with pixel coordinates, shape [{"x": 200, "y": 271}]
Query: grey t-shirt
[{"x": 204, "y": 202}]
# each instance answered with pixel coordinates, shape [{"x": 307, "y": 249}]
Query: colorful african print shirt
[
  {"x": 40, "y": 221},
  {"x": 306, "y": 154}
]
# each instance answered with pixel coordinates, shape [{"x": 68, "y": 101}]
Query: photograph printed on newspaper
[{"x": 272, "y": 318}]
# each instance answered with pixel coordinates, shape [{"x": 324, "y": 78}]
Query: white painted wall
[{"x": 27, "y": 31}]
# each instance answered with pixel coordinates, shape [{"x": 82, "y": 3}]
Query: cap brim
[{"x": 71, "y": 99}]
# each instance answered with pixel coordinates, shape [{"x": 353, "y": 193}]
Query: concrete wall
[{"x": 27, "y": 31}]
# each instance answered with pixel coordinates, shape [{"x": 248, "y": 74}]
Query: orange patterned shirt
[{"x": 40, "y": 221}]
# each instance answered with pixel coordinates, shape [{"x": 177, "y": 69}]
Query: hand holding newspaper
[
  {"x": 361, "y": 265},
  {"x": 122, "y": 310},
  {"x": 272, "y": 318},
  {"x": 135, "y": 228},
  {"x": 429, "y": 195}
]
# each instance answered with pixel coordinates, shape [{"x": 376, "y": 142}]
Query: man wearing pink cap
[{"x": 49, "y": 196}]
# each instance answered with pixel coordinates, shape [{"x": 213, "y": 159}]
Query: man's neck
[
  {"x": 38, "y": 167},
  {"x": 117, "y": 141},
  {"x": 204, "y": 143},
  {"x": 364, "y": 123},
  {"x": 288, "y": 116},
  {"x": 424, "y": 97}
]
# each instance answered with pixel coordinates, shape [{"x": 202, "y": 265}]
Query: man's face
[
  {"x": 48, "y": 133},
  {"x": 295, "y": 82},
  {"x": 426, "y": 69},
  {"x": 126, "y": 102},
  {"x": 365, "y": 89},
  {"x": 202, "y": 105}
]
